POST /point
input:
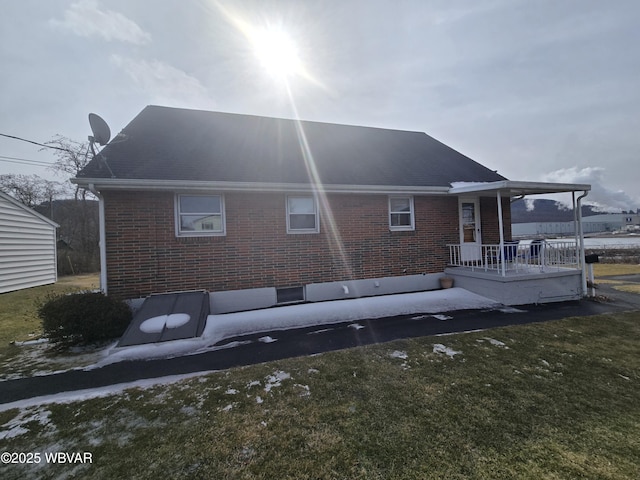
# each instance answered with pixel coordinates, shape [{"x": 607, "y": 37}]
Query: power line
[
  {"x": 31, "y": 141},
  {"x": 24, "y": 161}
]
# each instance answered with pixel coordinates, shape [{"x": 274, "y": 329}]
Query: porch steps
[{"x": 168, "y": 316}]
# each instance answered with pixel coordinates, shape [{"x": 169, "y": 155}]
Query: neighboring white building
[
  {"x": 27, "y": 246},
  {"x": 607, "y": 222}
]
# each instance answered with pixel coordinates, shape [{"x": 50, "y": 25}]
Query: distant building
[
  {"x": 605, "y": 223},
  {"x": 27, "y": 246}
]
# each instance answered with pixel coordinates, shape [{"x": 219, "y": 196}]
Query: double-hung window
[
  {"x": 200, "y": 215},
  {"x": 401, "y": 213},
  {"x": 302, "y": 214}
]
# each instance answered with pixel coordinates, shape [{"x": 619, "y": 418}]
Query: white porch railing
[{"x": 536, "y": 257}]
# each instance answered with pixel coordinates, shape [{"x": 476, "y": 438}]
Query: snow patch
[
  {"x": 275, "y": 380},
  {"x": 496, "y": 343},
  {"x": 510, "y": 310},
  {"x": 320, "y": 331},
  {"x": 442, "y": 317},
  {"x": 267, "y": 339},
  {"x": 439, "y": 348},
  {"x": 16, "y": 427},
  {"x": 306, "y": 391},
  {"x": 230, "y": 325},
  {"x": 356, "y": 326},
  {"x": 159, "y": 323},
  {"x": 399, "y": 354},
  {"x": 100, "y": 392}
]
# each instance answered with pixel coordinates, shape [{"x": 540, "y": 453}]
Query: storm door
[{"x": 470, "y": 229}]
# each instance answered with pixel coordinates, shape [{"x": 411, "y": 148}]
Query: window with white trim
[
  {"x": 302, "y": 214},
  {"x": 401, "y": 213},
  {"x": 199, "y": 215}
]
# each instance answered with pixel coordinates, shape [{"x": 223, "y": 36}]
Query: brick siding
[{"x": 144, "y": 255}]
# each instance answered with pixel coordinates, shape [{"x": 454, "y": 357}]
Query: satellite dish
[{"x": 100, "y": 129}]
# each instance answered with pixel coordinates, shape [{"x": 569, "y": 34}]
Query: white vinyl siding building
[{"x": 27, "y": 247}]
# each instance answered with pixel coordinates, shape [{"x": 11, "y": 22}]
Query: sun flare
[{"x": 277, "y": 52}]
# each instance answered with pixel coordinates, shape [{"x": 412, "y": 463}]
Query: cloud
[
  {"x": 84, "y": 18},
  {"x": 164, "y": 83},
  {"x": 600, "y": 195}
]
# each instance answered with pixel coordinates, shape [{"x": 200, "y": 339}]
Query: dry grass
[
  {"x": 614, "y": 269},
  {"x": 609, "y": 269},
  {"x": 551, "y": 400}
]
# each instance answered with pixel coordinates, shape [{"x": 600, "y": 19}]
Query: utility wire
[
  {"x": 31, "y": 141},
  {"x": 26, "y": 161}
]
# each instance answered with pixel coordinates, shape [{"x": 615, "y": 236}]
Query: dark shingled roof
[{"x": 164, "y": 143}]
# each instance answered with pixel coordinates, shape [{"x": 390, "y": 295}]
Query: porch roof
[{"x": 516, "y": 188}]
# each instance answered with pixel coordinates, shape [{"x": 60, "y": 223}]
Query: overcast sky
[{"x": 540, "y": 90}]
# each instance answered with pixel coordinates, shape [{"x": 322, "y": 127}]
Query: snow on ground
[
  {"x": 225, "y": 326},
  {"x": 399, "y": 354},
  {"x": 439, "y": 348},
  {"x": 220, "y": 327},
  {"x": 81, "y": 395}
]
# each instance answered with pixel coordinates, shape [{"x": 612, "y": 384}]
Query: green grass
[
  {"x": 553, "y": 400},
  {"x": 19, "y": 322},
  {"x": 18, "y": 310}
]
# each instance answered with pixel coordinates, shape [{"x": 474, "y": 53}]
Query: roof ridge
[{"x": 268, "y": 117}]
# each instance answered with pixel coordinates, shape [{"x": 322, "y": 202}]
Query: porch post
[
  {"x": 575, "y": 228},
  {"x": 581, "y": 262},
  {"x": 501, "y": 227}
]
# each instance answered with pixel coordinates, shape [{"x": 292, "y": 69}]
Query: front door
[{"x": 470, "y": 229}]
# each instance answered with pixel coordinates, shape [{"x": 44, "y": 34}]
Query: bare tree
[
  {"x": 31, "y": 190},
  {"x": 71, "y": 157}
]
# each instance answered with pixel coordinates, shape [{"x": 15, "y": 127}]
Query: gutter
[
  {"x": 194, "y": 185},
  {"x": 581, "y": 246},
  {"x": 103, "y": 238}
]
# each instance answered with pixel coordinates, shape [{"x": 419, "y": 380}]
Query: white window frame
[
  {"x": 316, "y": 229},
  {"x": 402, "y": 228},
  {"x": 199, "y": 233}
]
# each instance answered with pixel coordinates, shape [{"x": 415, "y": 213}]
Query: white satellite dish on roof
[{"x": 100, "y": 129}]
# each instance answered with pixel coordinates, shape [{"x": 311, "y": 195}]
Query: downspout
[
  {"x": 501, "y": 227},
  {"x": 581, "y": 244},
  {"x": 103, "y": 239}
]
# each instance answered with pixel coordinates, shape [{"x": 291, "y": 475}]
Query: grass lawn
[
  {"x": 553, "y": 400},
  {"x": 19, "y": 322},
  {"x": 609, "y": 269}
]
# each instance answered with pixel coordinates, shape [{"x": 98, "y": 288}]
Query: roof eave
[
  {"x": 191, "y": 185},
  {"x": 517, "y": 188}
]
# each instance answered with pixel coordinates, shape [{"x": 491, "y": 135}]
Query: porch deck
[{"x": 516, "y": 274}]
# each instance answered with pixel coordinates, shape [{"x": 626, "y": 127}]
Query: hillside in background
[
  {"x": 546, "y": 211},
  {"x": 78, "y": 234}
]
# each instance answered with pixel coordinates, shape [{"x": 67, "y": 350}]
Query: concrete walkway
[{"x": 298, "y": 342}]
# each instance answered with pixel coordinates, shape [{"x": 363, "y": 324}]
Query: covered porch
[{"x": 517, "y": 272}]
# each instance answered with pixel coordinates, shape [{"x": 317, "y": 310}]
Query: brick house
[{"x": 225, "y": 202}]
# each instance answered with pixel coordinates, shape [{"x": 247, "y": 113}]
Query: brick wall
[
  {"x": 144, "y": 255},
  {"x": 489, "y": 219}
]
